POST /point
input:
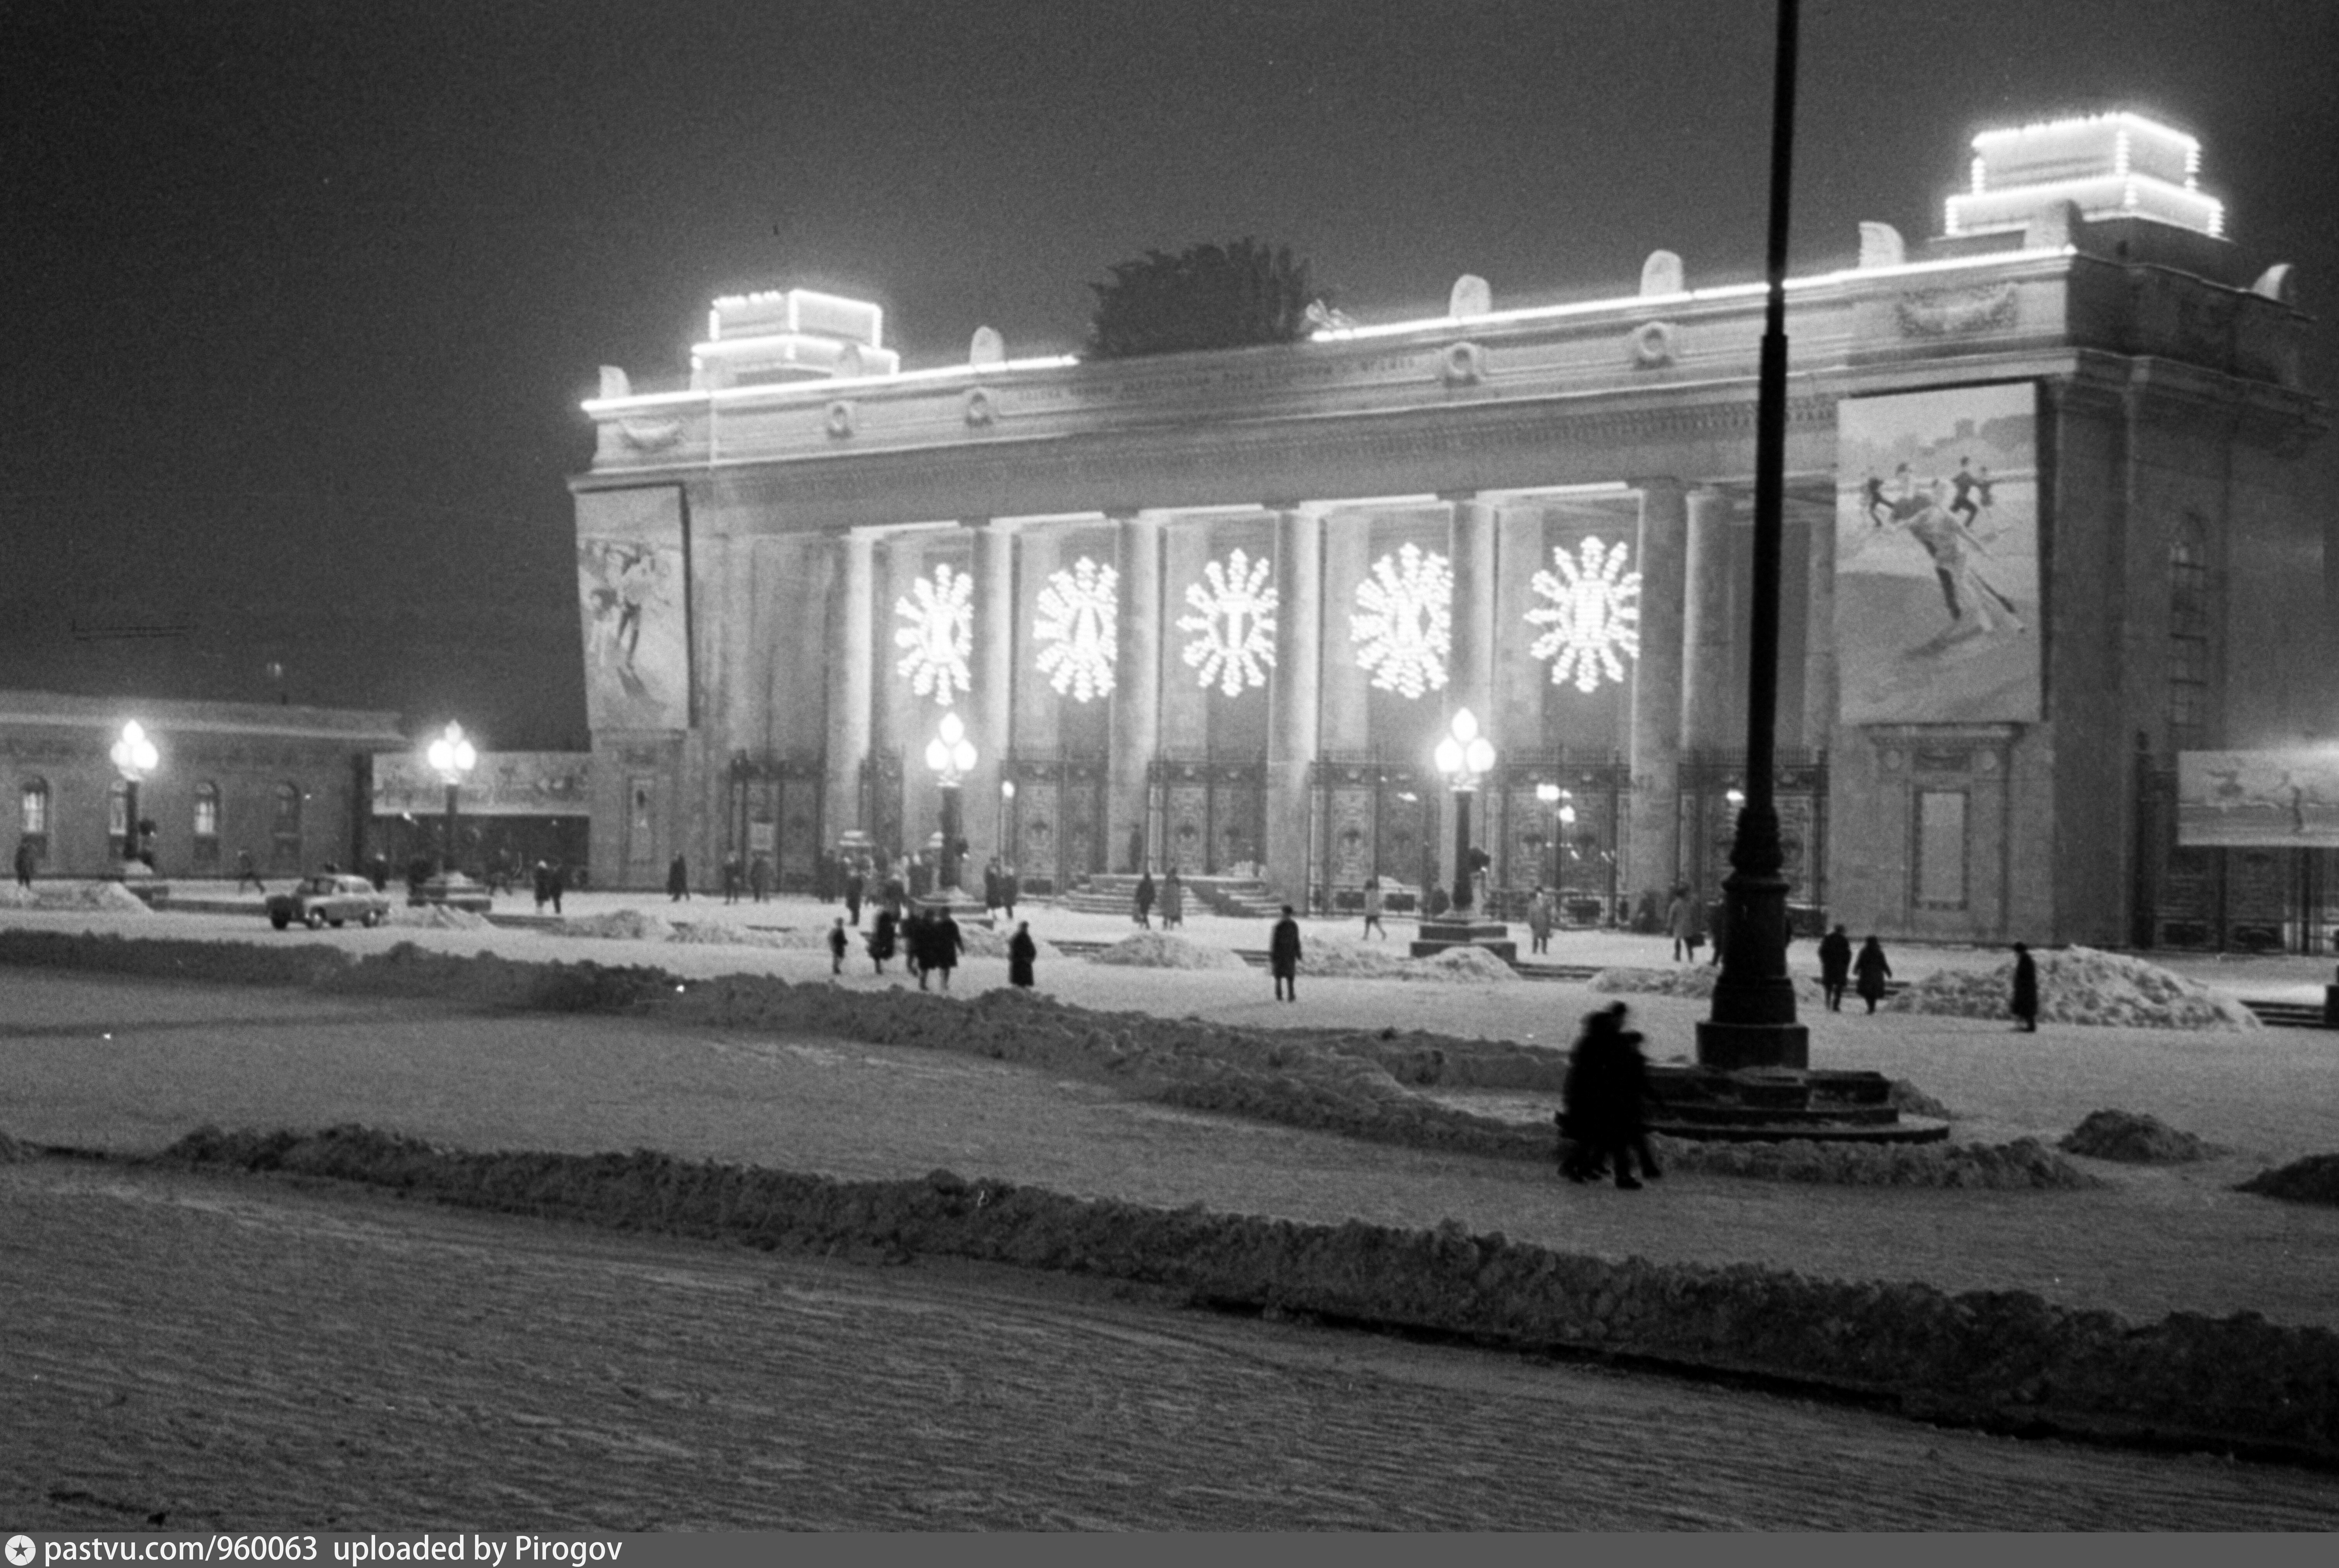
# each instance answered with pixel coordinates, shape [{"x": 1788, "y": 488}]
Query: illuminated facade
[{"x": 1214, "y": 609}]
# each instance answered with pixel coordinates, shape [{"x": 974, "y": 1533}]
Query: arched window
[
  {"x": 2188, "y": 638},
  {"x": 284, "y": 830},
  {"x": 206, "y": 855},
  {"x": 33, "y": 816}
]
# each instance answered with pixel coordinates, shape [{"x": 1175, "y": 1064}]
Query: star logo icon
[{"x": 20, "y": 1550}]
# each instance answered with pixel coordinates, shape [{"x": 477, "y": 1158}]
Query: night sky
[{"x": 300, "y": 299}]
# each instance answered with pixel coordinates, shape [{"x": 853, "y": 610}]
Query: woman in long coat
[
  {"x": 1835, "y": 967},
  {"x": 2024, "y": 1003},
  {"x": 881, "y": 939},
  {"x": 1173, "y": 901},
  {"x": 1873, "y": 972},
  {"x": 1687, "y": 923},
  {"x": 1539, "y": 922},
  {"x": 1021, "y": 953}
]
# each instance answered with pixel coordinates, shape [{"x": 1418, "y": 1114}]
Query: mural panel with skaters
[{"x": 1937, "y": 556}]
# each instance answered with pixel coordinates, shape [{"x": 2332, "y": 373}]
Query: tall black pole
[
  {"x": 1462, "y": 879},
  {"x": 448, "y": 869},
  {"x": 130, "y": 824},
  {"x": 1754, "y": 1022},
  {"x": 954, "y": 829}
]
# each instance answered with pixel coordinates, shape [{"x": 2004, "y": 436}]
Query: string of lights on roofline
[{"x": 2116, "y": 164}]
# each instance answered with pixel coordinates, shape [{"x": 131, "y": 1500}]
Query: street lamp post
[
  {"x": 452, "y": 758},
  {"x": 952, "y": 756},
  {"x": 1754, "y": 1022},
  {"x": 1549, "y": 795},
  {"x": 134, "y": 757},
  {"x": 1566, "y": 837},
  {"x": 1464, "y": 757}
]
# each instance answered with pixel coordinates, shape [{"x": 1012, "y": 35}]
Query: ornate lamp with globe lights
[
  {"x": 951, "y": 757},
  {"x": 1465, "y": 756},
  {"x": 135, "y": 758},
  {"x": 452, "y": 756}
]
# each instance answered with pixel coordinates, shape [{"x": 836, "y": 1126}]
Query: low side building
[{"x": 287, "y": 785}]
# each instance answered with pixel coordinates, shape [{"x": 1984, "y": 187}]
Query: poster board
[
  {"x": 2258, "y": 799},
  {"x": 1937, "y": 611},
  {"x": 633, "y": 591}
]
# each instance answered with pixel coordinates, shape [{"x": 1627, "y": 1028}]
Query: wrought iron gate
[
  {"x": 1211, "y": 812},
  {"x": 775, "y": 811},
  {"x": 1056, "y": 823}
]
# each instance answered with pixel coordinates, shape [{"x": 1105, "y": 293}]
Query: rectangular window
[
  {"x": 206, "y": 816},
  {"x": 1940, "y": 849},
  {"x": 36, "y": 809}
]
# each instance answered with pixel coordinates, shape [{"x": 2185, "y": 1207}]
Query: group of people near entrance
[
  {"x": 1169, "y": 895},
  {"x": 929, "y": 941}
]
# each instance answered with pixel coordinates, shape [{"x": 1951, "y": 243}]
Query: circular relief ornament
[
  {"x": 1652, "y": 345},
  {"x": 982, "y": 409},
  {"x": 840, "y": 419},
  {"x": 1462, "y": 365}
]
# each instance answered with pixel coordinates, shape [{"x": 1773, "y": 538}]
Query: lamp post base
[{"x": 1734, "y": 1045}]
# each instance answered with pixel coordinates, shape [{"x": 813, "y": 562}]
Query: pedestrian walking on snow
[
  {"x": 855, "y": 886},
  {"x": 945, "y": 942},
  {"x": 759, "y": 878},
  {"x": 1686, "y": 922},
  {"x": 1873, "y": 972},
  {"x": 837, "y": 947},
  {"x": 26, "y": 859},
  {"x": 1373, "y": 908},
  {"x": 1145, "y": 899},
  {"x": 1173, "y": 902},
  {"x": 735, "y": 877},
  {"x": 1283, "y": 957},
  {"x": 677, "y": 880},
  {"x": 1835, "y": 967},
  {"x": 1539, "y": 922},
  {"x": 1022, "y": 953},
  {"x": 881, "y": 939},
  {"x": 2024, "y": 1003}
]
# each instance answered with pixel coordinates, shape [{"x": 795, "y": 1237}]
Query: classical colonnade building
[{"x": 2043, "y": 530}]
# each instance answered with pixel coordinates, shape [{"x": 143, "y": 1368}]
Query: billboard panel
[
  {"x": 504, "y": 784},
  {"x": 2243, "y": 799},
  {"x": 629, "y": 573},
  {"x": 1937, "y": 556}
]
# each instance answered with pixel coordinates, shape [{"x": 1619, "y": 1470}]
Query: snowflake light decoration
[
  {"x": 1594, "y": 614},
  {"x": 1234, "y": 620},
  {"x": 1079, "y": 613},
  {"x": 1404, "y": 627},
  {"x": 938, "y": 634}
]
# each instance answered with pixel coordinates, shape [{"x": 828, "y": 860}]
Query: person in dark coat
[
  {"x": 1685, "y": 923},
  {"x": 559, "y": 882},
  {"x": 1721, "y": 926},
  {"x": 1873, "y": 972},
  {"x": 1283, "y": 957},
  {"x": 1173, "y": 901},
  {"x": 2024, "y": 1003},
  {"x": 26, "y": 861},
  {"x": 677, "y": 880},
  {"x": 1010, "y": 887},
  {"x": 1021, "y": 953},
  {"x": 881, "y": 939},
  {"x": 1145, "y": 899},
  {"x": 759, "y": 878},
  {"x": 735, "y": 877},
  {"x": 989, "y": 885},
  {"x": 837, "y": 947},
  {"x": 540, "y": 885},
  {"x": 1603, "y": 1122},
  {"x": 1835, "y": 967},
  {"x": 915, "y": 950},
  {"x": 853, "y": 888},
  {"x": 945, "y": 942}
]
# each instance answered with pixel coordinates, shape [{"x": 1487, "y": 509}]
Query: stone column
[
  {"x": 1470, "y": 673},
  {"x": 902, "y": 722},
  {"x": 1820, "y": 675},
  {"x": 1521, "y": 679},
  {"x": 851, "y": 649},
  {"x": 1292, "y": 697},
  {"x": 1346, "y": 687},
  {"x": 1184, "y": 706},
  {"x": 1709, "y": 647},
  {"x": 1652, "y": 853},
  {"x": 1136, "y": 689},
  {"x": 991, "y": 710}
]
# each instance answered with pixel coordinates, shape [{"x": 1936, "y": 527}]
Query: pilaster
[
  {"x": 1292, "y": 697},
  {"x": 851, "y": 640},
  {"x": 1652, "y": 857},
  {"x": 1136, "y": 691}
]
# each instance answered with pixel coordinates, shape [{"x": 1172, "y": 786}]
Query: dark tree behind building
[{"x": 1205, "y": 297}]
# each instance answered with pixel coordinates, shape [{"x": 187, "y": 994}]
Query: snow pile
[
  {"x": 1159, "y": 950},
  {"x": 1692, "y": 980},
  {"x": 436, "y": 917},
  {"x": 110, "y": 896},
  {"x": 1327, "y": 959},
  {"x": 2025, "y": 1163},
  {"x": 621, "y": 924},
  {"x": 2135, "y": 1139},
  {"x": 983, "y": 941},
  {"x": 2315, "y": 1179},
  {"x": 716, "y": 933},
  {"x": 2079, "y": 985}
]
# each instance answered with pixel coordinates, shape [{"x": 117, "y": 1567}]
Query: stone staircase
[{"x": 1115, "y": 892}]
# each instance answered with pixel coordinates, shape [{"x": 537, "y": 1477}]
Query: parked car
[{"x": 330, "y": 899}]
